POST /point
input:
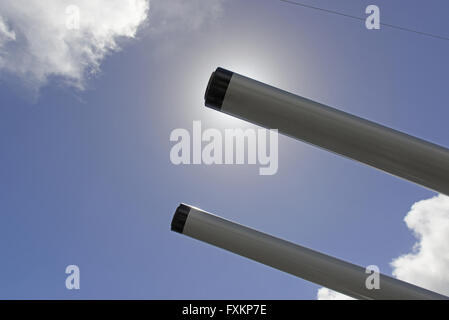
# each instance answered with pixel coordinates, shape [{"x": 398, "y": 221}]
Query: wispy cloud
[
  {"x": 180, "y": 15},
  {"x": 427, "y": 264}
]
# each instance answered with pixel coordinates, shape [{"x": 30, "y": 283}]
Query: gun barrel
[
  {"x": 394, "y": 152},
  {"x": 302, "y": 262}
]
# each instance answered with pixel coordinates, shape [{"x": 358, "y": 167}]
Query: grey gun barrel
[
  {"x": 386, "y": 149},
  {"x": 302, "y": 262}
]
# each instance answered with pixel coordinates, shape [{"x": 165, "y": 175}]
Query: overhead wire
[{"x": 304, "y": 5}]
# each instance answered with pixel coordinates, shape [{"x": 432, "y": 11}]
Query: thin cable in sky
[{"x": 363, "y": 19}]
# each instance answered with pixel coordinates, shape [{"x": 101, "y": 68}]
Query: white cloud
[
  {"x": 427, "y": 265},
  {"x": 327, "y": 294},
  {"x": 36, "y": 42}
]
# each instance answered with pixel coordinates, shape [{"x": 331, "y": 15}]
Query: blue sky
[{"x": 86, "y": 176}]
